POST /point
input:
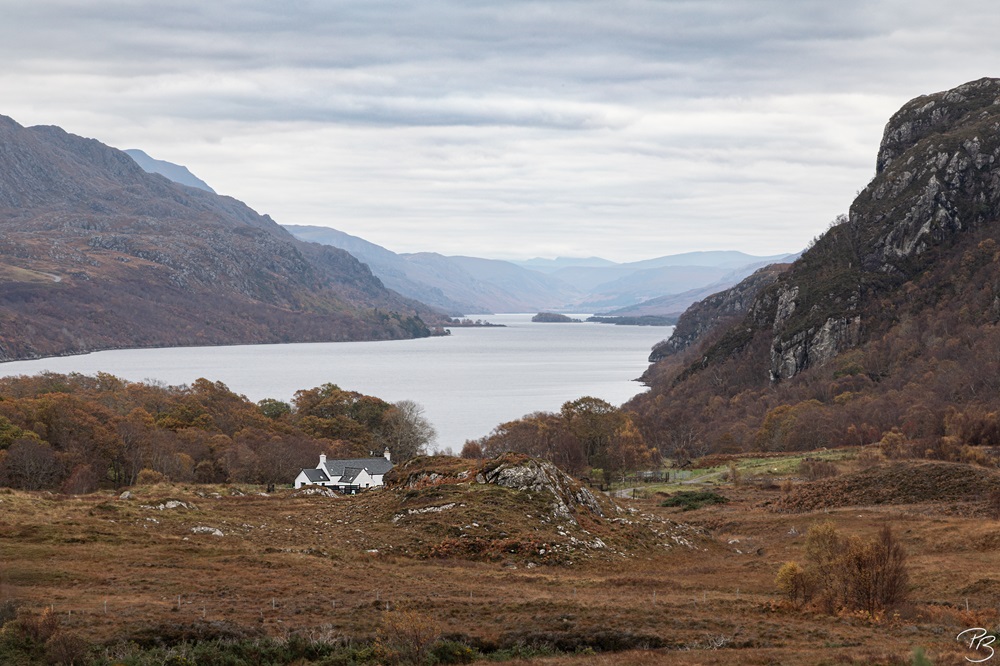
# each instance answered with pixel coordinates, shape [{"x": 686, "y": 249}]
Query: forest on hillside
[
  {"x": 924, "y": 382},
  {"x": 75, "y": 433}
]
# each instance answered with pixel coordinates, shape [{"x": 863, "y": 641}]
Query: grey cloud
[{"x": 671, "y": 119}]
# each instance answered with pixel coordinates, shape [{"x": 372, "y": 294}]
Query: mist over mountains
[
  {"x": 462, "y": 285},
  {"x": 459, "y": 285}
]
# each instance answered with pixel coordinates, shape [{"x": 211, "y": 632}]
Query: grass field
[{"x": 489, "y": 564}]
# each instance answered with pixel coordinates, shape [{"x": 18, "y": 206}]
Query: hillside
[
  {"x": 885, "y": 328},
  {"x": 96, "y": 253},
  {"x": 719, "y": 308}
]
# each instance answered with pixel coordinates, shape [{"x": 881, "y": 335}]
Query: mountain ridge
[
  {"x": 461, "y": 284},
  {"x": 96, "y": 253},
  {"x": 883, "y": 331},
  {"x": 175, "y": 172}
]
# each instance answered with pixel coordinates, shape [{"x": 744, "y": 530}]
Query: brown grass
[{"x": 286, "y": 562}]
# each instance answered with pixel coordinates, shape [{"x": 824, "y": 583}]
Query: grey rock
[{"x": 543, "y": 477}]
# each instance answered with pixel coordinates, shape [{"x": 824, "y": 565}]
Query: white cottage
[{"x": 348, "y": 476}]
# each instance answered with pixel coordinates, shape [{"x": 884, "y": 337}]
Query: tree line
[
  {"x": 588, "y": 436},
  {"x": 75, "y": 433}
]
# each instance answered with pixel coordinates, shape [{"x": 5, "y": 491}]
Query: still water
[{"x": 467, "y": 382}]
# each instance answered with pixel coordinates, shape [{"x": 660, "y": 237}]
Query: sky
[{"x": 626, "y": 129}]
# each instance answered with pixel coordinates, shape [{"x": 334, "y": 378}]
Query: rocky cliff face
[
  {"x": 938, "y": 176},
  {"x": 96, "y": 253},
  {"x": 724, "y": 307}
]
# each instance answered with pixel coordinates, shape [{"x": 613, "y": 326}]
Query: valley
[{"x": 828, "y": 428}]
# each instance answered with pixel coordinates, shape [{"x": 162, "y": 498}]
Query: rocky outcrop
[
  {"x": 511, "y": 470},
  {"x": 724, "y": 307},
  {"x": 813, "y": 347},
  {"x": 938, "y": 173},
  {"x": 937, "y": 177},
  {"x": 540, "y": 476}
]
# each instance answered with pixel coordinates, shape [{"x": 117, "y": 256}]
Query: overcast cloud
[{"x": 626, "y": 129}]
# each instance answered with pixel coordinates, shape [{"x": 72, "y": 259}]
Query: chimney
[
  {"x": 322, "y": 459},
  {"x": 388, "y": 456}
]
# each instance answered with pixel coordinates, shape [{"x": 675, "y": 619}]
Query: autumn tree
[
  {"x": 628, "y": 451},
  {"x": 274, "y": 409},
  {"x": 472, "y": 449},
  {"x": 130, "y": 451},
  {"x": 594, "y": 423},
  {"x": 848, "y": 571},
  {"x": 329, "y": 412},
  {"x": 9, "y": 433}
]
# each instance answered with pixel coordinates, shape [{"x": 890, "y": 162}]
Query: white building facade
[{"x": 348, "y": 476}]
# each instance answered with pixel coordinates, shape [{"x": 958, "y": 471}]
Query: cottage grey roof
[
  {"x": 316, "y": 475},
  {"x": 377, "y": 465},
  {"x": 350, "y": 473}
]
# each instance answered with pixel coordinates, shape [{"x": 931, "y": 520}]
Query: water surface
[{"x": 467, "y": 382}]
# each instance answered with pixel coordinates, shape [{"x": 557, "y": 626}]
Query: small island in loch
[{"x": 553, "y": 318}]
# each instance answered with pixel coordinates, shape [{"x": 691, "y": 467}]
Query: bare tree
[
  {"x": 406, "y": 431},
  {"x": 30, "y": 465}
]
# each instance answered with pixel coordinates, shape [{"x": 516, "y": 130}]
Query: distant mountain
[
  {"x": 459, "y": 285},
  {"x": 619, "y": 285},
  {"x": 676, "y": 303},
  {"x": 174, "y": 172},
  {"x": 552, "y": 265},
  {"x": 473, "y": 285},
  {"x": 718, "y": 258},
  {"x": 96, "y": 253}
]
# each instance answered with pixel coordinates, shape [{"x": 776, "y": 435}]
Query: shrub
[
  {"x": 813, "y": 469},
  {"x": 8, "y": 611},
  {"x": 694, "y": 499},
  {"x": 149, "y": 477},
  {"x": 849, "y": 573},
  {"x": 870, "y": 457},
  {"x": 894, "y": 445},
  {"x": 793, "y": 582},
  {"x": 405, "y": 637},
  {"x": 875, "y": 572},
  {"x": 734, "y": 474},
  {"x": 23, "y": 640},
  {"x": 451, "y": 652},
  {"x": 65, "y": 649},
  {"x": 82, "y": 480}
]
